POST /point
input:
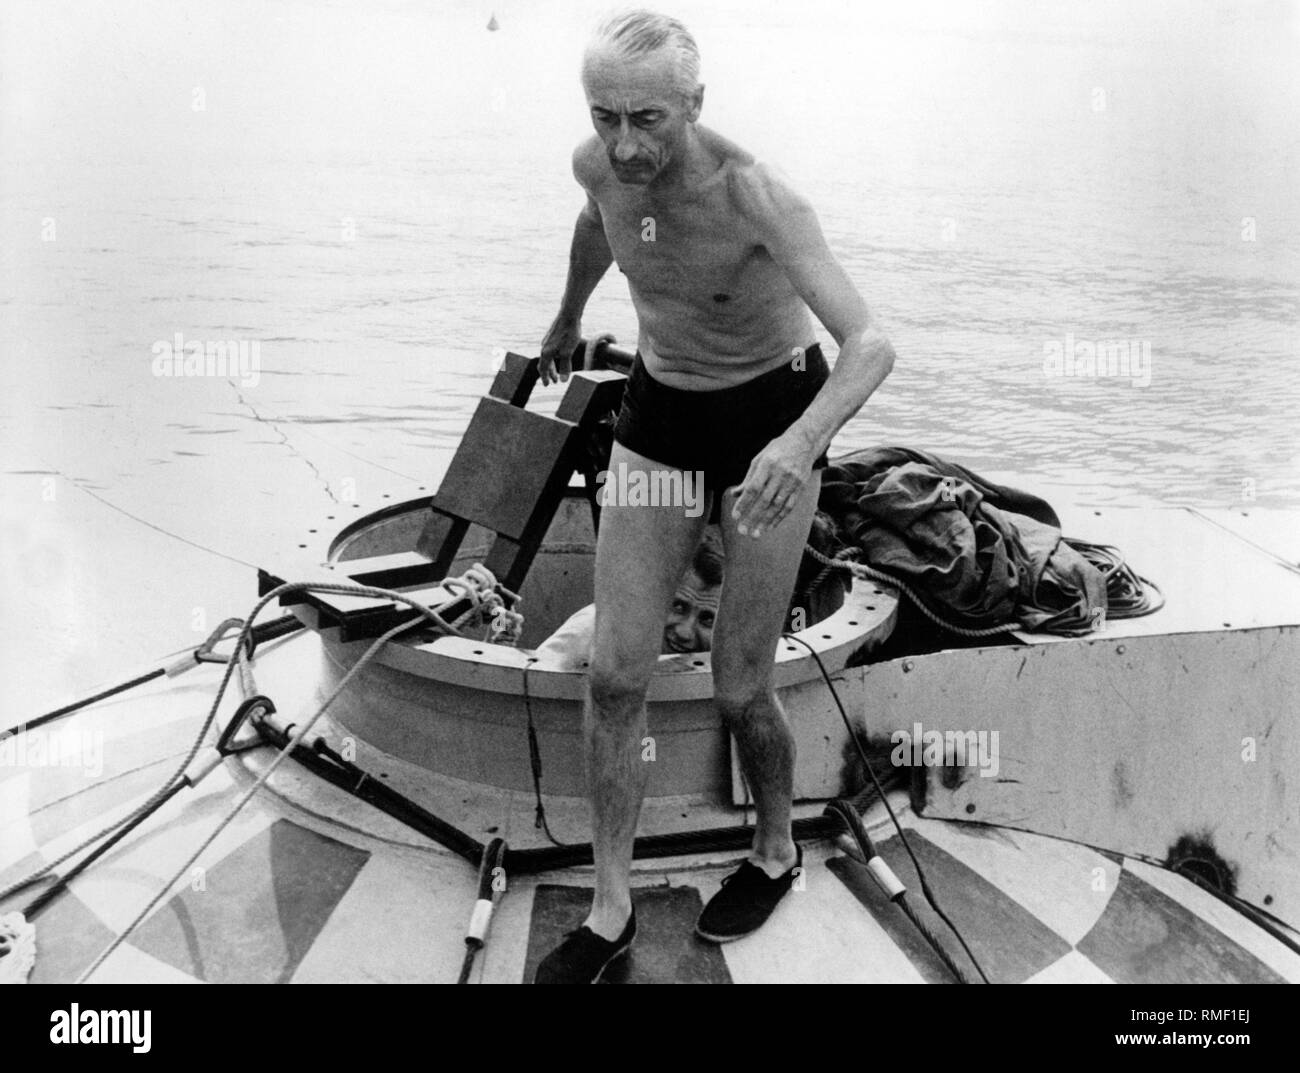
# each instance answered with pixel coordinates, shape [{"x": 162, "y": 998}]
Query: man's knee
[
  {"x": 739, "y": 699},
  {"x": 615, "y": 693}
]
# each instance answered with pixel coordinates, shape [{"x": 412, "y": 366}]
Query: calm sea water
[{"x": 378, "y": 193}]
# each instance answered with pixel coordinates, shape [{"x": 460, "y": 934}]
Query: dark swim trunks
[{"x": 718, "y": 432}]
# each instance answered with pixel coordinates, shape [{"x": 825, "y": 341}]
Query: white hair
[{"x": 638, "y": 32}]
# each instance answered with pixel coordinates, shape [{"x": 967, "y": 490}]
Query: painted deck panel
[
  {"x": 69, "y": 936},
  {"x": 259, "y": 909},
  {"x": 1145, "y": 937},
  {"x": 1010, "y": 943},
  {"x": 402, "y": 920},
  {"x": 1214, "y": 912},
  {"x": 1074, "y": 968},
  {"x": 1064, "y": 885},
  {"x": 127, "y": 965},
  {"x": 125, "y": 879}
]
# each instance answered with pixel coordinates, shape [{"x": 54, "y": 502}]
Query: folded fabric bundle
[{"x": 980, "y": 554}]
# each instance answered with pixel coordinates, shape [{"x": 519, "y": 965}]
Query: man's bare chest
[{"x": 696, "y": 253}]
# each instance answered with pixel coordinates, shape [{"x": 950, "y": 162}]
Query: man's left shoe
[{"x": 745, "y": 901}]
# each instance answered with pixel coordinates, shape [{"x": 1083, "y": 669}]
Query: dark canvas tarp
[{"x": 978, "y": 553}]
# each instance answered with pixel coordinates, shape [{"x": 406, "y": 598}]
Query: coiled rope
[{"x": 1128, "y": 593}]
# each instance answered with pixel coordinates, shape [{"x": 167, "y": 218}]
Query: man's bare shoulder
[
  {"x": 590, "y": 165},
  {"x": 764, "y": 196}
]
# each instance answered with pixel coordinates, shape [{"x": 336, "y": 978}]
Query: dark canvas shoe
[
  {"x": 584, "y": 956},
  {"x": 745, "y": 901}
]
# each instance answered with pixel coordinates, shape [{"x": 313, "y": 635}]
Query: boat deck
[
  {"x": 287, "y": 895},
  {"x": 309, "y": 884}
]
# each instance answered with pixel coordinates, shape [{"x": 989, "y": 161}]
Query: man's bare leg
[
  {"x": 641, "y": 554},
  {"x": 756, "y": 591}
]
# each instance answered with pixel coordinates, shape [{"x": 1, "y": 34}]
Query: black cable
[
  {"x": 266, "y": 631},
  {"x": 493, "y": 861},
  {"x": 920, "y": 872},
  {"x": 535, "y": 762},
  {"x": 654, "y": 847},
  {"x": 847, "y": 813},
  {"x": 51, "y": 892},
  {"x": 357, "y": 782},
  {"x": 77, "y": 705}
]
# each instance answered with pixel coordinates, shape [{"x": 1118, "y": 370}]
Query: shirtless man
[{"x": 724, "y": 261}]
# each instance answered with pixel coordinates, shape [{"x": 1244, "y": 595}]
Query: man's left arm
[{"x": 789, "y": 229}]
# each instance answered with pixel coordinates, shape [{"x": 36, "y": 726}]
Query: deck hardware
[
  {"x": 254, "y": 709},
  {"x": 205, "y": 654}
]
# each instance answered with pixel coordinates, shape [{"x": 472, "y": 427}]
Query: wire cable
[
  {"x": 920, "y": 872},
  {"x": 535, "y": 762}
]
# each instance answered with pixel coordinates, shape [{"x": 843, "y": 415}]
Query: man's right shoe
[
  {"x": 747, "y": 898},
  {"x": 584, "y": 956}
]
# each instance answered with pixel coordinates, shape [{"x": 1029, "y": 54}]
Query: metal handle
[{"x": 604, "y": 356}]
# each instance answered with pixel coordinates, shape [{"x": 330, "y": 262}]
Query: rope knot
[{"x": 506, "y": 625}]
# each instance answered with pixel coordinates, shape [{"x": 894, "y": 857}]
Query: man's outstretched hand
[
  {"x": 557, "y": 349},
  {"x": 771, "y": 488}
]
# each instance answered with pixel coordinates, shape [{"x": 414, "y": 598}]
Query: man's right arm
[{"x": 589, "y": 260}]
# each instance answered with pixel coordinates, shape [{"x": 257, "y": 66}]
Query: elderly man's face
[{"x": 639, "y": 112}]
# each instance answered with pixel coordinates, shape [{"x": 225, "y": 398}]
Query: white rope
[{"x": 486, "y": 596}]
